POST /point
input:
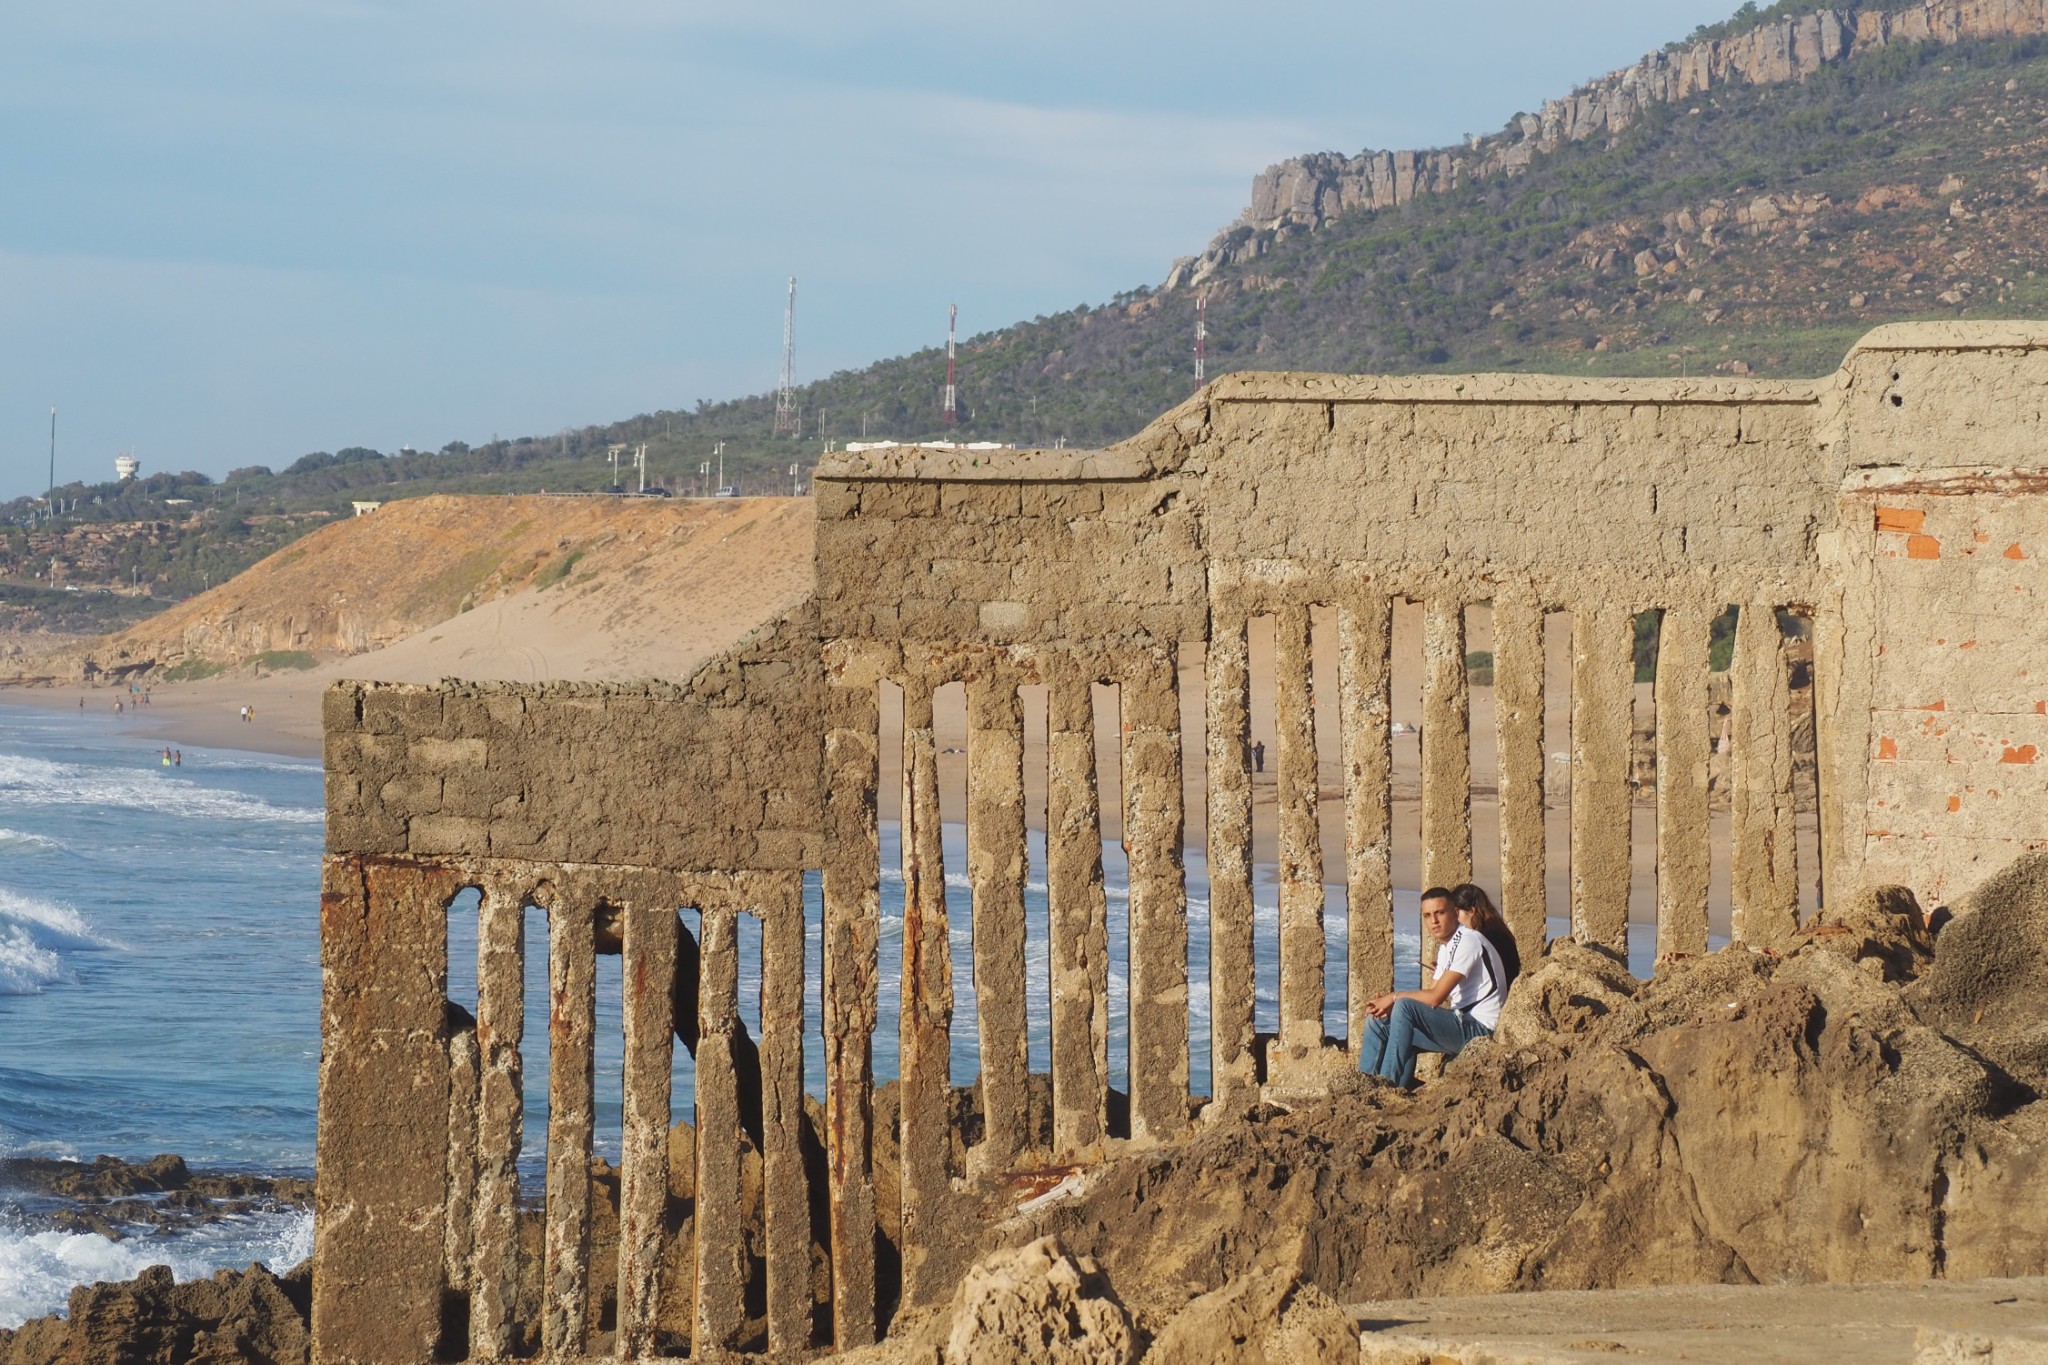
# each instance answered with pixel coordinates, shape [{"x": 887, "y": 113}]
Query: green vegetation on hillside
[{"x": 1750, "y": 231}]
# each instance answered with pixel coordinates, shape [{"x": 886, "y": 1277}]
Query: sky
[{"x": 235, "y": 231}]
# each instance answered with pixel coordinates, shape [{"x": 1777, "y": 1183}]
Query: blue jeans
[{"x": 1411, "y": 1027}]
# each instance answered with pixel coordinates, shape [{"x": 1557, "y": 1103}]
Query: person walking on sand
[
  {"x": 1461, "y": 1003},
  {"x": 245, "y": 715},
  {"x": 1259, "y": 757}
]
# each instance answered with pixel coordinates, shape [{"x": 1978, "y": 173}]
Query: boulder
[
  {"x": 1038, "y": 1304},
  {"x": 1985, "y": 985},
  {"x": 1270, "y": 1317}
]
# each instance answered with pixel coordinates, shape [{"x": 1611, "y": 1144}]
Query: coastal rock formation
[
  {"x": 112, "y": 1197},
  {"x": 1742, "y": 1118},
  {"x": 235, "y": 1318},
  {"x": 1305, "y": 192}
]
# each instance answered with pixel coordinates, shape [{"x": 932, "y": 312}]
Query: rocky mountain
[
  {"x": 1306, "y": 192},
  {"x": 1750, "y": 201}
]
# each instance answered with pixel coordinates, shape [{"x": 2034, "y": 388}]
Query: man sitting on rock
[{"x": 1461, "y": 1003}]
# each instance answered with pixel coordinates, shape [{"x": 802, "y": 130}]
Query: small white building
[
  {"x": 363, "y": 509},
  {"x": 126, "y": 466}
]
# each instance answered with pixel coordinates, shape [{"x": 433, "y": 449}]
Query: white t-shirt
[{"x": 1483, "y": 978}]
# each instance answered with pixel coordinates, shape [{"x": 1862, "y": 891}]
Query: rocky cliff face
[{"x": 1305, "y": 192}]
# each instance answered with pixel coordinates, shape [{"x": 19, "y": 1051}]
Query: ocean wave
[
  {"x": 41, "y": 782},
  {"x": 14, "y": 840},
  {"x": 34, "y": 935},
  {"x": 39, "y": 1269}
]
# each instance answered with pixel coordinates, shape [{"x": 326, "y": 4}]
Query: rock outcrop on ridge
[{"x": 1305, "y": 192}]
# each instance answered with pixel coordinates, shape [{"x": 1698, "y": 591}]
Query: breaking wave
[{"x": 41, "y": 782}]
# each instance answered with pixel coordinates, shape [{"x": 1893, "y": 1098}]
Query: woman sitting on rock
[
  {"x": 1475, "y": 911},
  {"x": 1462, "y": 1001}
]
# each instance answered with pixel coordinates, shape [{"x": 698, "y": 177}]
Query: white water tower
[{"x": 126, "y": 467}]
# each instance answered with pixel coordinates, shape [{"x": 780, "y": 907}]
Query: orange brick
[
  {"x": 1900, "y": 519},
  {"x": 1955, "y": 803},
  {"x": 2013, "y": 551},
  {"x": 2026, "y": 753},
  {"x": 1936, "y": 706},
  {"x": 1922, "y": 547},
  {"x": 1887, "y": 747}
]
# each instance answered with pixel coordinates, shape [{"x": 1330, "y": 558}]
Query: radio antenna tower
[
  {"x": 952, "y": 394},
  {"x": 1201, "y": 338},
  {"x": 785, "y": 397}
]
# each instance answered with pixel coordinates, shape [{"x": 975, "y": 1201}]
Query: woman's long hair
[{"x": 1474, "y": 905}]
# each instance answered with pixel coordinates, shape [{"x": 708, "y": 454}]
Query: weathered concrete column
[
  {"x": 1518, "y": 729},
  {"x": 501, "y": 1117},
  {"x": 1683, "y": 847},
  {"x": 1078, "y": 916},
  {"x": 1764, "y": 849},
  {"x": 572, "y": 1015},
  {"x": 1446, "y": 751},
  {"x": 1153, "y": 825},
  {"x": 383, "y": 1139},
  {"x": 721, "y": 1218},
  {"x": 1364, "y": 679},
  {"x": 1603, "y": 719},
  {"x": 853, "y": 911},
  {"x": 996, "y": 869},
  {"x": 649, "y": 973},
  {"x": 1302, "y": 946},
  {"x": 458, "y": 1226},
  {"x": 927, "y": 1017},
  {"x": 786, "y": 1212},
  {"x": 1233, "y": 1069}
]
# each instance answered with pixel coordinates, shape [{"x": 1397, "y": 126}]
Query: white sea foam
[
  {"x": 39, "y": 1269},
  {"x": 40, "y": 782},
  {"x": 34, "y": 935},
  {"x": 20, "y": 841}
]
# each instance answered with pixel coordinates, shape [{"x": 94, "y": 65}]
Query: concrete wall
[{"x": 1901, "y": 505}]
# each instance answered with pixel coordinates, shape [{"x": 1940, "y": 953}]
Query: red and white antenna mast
[
  {"x": 952, "y": 394},
  {"x": 1201, "y": 338},
  {"x": 785, "y": 397}
]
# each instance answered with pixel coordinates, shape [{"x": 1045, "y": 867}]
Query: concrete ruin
[{"x": 1900, "y": 506}]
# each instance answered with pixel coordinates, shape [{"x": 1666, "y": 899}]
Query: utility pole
[
  {"x": 703, "y": 477},
  {"x": 952, "y": 394},
  {"x": 785, "y": 399},
  {"x": 793, "y": 489},
  {"x": 719, "y": 451},
  {"x": 51, "y": 500}
]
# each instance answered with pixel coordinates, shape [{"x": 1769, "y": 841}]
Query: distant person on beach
[
  {"x": 1462, "y": 1001},
  {"x": 1475, "y": 911},
  {"x": 245, "y": 715},
  {"x": 167, "y": 756},
  {"x": 177, "y": 758},
  {"x": 1259, "y": 757}
]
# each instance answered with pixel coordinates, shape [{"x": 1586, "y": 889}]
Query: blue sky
[{"x": 233, "y": 232}]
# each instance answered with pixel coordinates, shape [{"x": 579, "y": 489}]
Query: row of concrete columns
[{"x": 477, "y": 1238}]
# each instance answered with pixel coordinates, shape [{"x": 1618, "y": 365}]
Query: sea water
[{"x": 160, "y": 984}]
